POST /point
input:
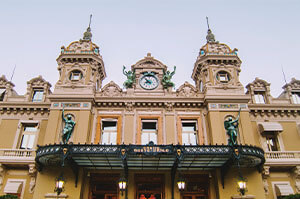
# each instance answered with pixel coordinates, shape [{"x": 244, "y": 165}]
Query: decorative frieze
[
  {"x": 71, "y": 105},
  {"x": 227, "y": 107}
]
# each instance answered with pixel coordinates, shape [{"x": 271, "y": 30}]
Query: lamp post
[
  {"x": 122, "y": 184},
  {"x": 59, "y": 184}
]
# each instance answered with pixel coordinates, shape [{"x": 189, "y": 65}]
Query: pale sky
[{"x": 266, "y": 32}]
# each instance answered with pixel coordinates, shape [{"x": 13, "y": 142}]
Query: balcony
[
  {"x": 282, "y": 158},
  {"x": 19, "y": 156}
]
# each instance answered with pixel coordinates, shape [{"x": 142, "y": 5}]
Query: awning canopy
[
  {"x": 13, "y": 187},
  {"x": 154, "y": 157},
  {"x": 269, "y": 127},
  {"x": 283, "y": 189}
]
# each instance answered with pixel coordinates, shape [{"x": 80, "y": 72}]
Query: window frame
[
  {"x": 189, "y": 133},
  {"x": 2, "y": 94},
  {"x": 30, "y": 134},
  {"x": 296, "y": 97},
  {"x": 23, "y": 181},
  {"x": 77, "y": 72},
  {"x": 149, "y": 131},
  {"x": 98, "y": 136},
  {"x": 200, "y": 133},
  {"x": 276, "y": 143},
  {"x": 138, "y": 138},
  {"x": 37, "y": 90},
  {"x": 109, "y": 132},
  {"x": 259, "y": 97}
]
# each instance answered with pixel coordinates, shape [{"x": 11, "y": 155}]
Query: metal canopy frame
[{"x": 150, "y": 157}]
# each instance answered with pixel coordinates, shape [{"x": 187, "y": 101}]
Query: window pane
[
  {"x": 30, "y": 128},
  {"x": 113, "y": 138},
  {"x": 105, "y": 138},
  {"x": 296, "y": 98},
  {"x": 193, "y": 138},
  {"x": 145, "y": 138},
  {"x": 259, "y": 98},
  {"x": 185, "y": 138},
  {"x": 24, "y": 141},
  {"x": 37, "y": 95},
  {"x": 148, "y": 125},
  {"x": 30, "y": 141},
  {"x": 153, "y": 137},
  {"x": 109, "y": 125}
]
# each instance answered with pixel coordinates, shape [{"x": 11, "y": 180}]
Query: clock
[{"x": 149, "y": 81}]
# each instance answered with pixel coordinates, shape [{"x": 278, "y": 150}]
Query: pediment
[
  {"x": 294, "y": 84},
  {"x": 259, "y": 84},
  {"x": 38, "y": 82},
  {"x": 82, "y": 45},
  {"x": 186, "y": 90},
  {"x": 149, "y": 62},
  {"x": 111, "y": 89},
  {"x": 4, "y": 82}
]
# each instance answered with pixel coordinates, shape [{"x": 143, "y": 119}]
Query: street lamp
[
  {"x": 59, "y": 184},
  {"x": 181, "y": 184},
  {"x": 242, "y": 188},
  {"x": 122, "y": 184}
]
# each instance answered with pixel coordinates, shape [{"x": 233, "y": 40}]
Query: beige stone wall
[
  {"x": 8, "y": 129},
  {"x": 18, "y": 174}
]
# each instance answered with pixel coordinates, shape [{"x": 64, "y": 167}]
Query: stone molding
[
  {"x": 55, "y": 196},
  {"x": 243, "y": 197}
]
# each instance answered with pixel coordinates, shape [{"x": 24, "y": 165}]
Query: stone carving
[
  {"x": 166, "y": 81},
  {"x": 186, "y": 90},
  {"x": 129, "y": 106},
  {"x": 1, "y": 175},
  {"x": 130, "y": 78},
  {"x": 111, "y": 89},
  {"x": 266, "y": 186},
  {"x": 169, "y": 106},
  {"x": 266, "y": 171},
  {"x": 32, "y": 173}
]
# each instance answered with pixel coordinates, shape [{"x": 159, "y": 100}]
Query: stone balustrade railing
[
  {"x": 282, "y": 157},
  {"x": 12, "y": 155}
]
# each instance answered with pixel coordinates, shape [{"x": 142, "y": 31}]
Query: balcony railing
[
  {"x": 282, "y": 157},
  {"x": 17, "y": 155}
]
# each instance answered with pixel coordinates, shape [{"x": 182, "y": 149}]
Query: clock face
[{"x": 149, "y": 81}]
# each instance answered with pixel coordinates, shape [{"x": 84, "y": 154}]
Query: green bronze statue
[
  {"x": 166, "y": 81},
  {"x": 231, "y": 127},
  {"x": 69, "y": 127},
  {"x": 130, "y": 78}
]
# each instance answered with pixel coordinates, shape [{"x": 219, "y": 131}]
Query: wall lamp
[{"x": 59, "y": 184}]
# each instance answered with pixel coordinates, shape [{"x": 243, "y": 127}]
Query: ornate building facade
[{"x": 147, "y": 133}]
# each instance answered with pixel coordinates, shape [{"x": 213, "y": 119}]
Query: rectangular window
[
  {"x": 28, "y": 136},
  {"x": 272, "y": 142},
  {"x": 296, "y": 97},
  {"x": 259, "y": 98},
  {"x": 37, "y": 95},
  {"x": 2, "y": 93},
  {"x": 189, "y": 132},
  {"x": 109, "y": 131},
  {"x": 149, "y": 131}
]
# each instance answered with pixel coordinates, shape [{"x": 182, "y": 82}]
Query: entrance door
[
  {"x": 197, "y": 187},
  {"x": 104, "y": 186},
  {"x": 149, "y": 186}
]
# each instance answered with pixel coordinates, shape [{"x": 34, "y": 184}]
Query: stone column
[{"x": 32, "y": 174}]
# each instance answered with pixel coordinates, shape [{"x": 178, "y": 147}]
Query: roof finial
[
  {"x": 210, "y": 37},
  {"x": 207, "y": 22},
  {"x": 87, "y": 36}
]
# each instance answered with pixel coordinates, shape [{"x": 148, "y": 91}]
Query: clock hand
[{"x": 148, "y": 81}]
